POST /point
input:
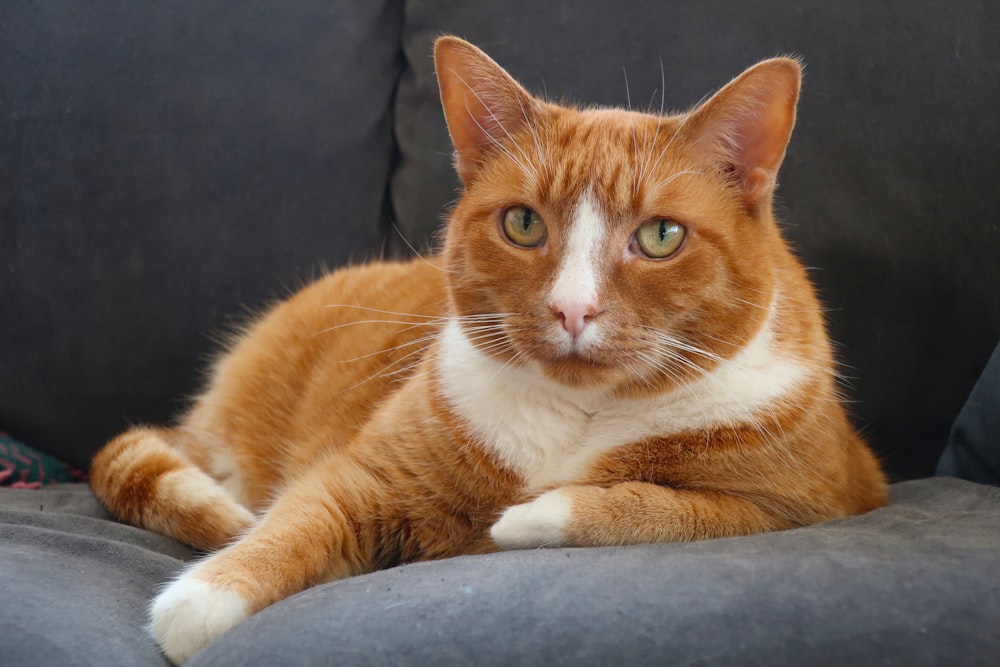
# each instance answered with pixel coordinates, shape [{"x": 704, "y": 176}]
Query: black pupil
[
  {"x": 526, "y": 219},
  {"x": 663, "y": 230}
]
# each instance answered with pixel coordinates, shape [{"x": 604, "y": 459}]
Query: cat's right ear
[{"x": 483, "y": 105}]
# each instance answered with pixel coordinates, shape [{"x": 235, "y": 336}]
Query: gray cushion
[
  {"x": 889, "y": 187},
  {"x": 973, "y": 450},
  {"x": 76, "y": 584},
  {"x": 165, "y": 167},
  {"x": 914, "y": 583}
]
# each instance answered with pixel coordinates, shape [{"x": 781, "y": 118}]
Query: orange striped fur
[{"x": 547, "y": 379}]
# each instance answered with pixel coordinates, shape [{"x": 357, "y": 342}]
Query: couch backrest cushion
[
  {"x": 889, "y": 188},
  {"x": 165, "y": 166}
]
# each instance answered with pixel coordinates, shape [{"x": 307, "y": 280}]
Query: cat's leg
[
  {"x": 309, "y": 535},
  {"x": 145, "y": 481},
  {"x": 628, "y": 513}
]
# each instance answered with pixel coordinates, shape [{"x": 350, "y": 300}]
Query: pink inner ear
[
  {"x": 764, "y": 135},
  {"x": 463, "y": 113},
  {"x": 758, "y": 183},
  {"x": 749, "y": 122},
  {"x": 482, "y": 103}
]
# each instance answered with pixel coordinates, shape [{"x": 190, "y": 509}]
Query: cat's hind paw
[
  {"x": 540, "y": 523},
  {"x": 190, "y": 613}
]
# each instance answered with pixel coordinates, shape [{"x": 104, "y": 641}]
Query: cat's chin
[{"x": 579, "y": 372}]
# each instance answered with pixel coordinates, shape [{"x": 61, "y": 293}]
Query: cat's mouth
[
  {"x": 580, "y": 363},
  {"x": 549, "y": 342},
  {"x": 584, "y": 361},
  {"x": 580, "y": 360},
  {"x": 586, "y": 350}
]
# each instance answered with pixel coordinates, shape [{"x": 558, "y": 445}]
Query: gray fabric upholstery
[
  {"x": 914, "y": 583},
  {"x": 76, "y": 583},
  {"x": 973, "y": 450},
  {"x": 166, "y": 167},
  {"x": 888, "y": 189}
]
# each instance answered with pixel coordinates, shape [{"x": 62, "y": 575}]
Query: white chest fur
[{"x": 551, "y": 433}]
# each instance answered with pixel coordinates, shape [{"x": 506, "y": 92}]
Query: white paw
[
  {"x": 190, "y": 613},
  {"x": 540, "y": 523}
]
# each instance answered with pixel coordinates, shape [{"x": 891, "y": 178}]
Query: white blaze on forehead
[{"x": 576, "y": 282}]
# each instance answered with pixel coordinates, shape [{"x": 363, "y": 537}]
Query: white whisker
[
  {"x": 384, "y": 312},
  {"x": 423, "y": 340},
  {"x": 663, "y": 86},
  {"x": 670, "y": 179},
  {"x": 411, "y": 325},
  {"x": 416, "y": 252},
  {"x": 532, "y": 124}
]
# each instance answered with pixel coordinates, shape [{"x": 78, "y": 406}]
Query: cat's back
[{"x": 308, "y": 373}]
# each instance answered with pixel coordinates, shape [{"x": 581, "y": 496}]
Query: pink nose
[{"x": 574, "y": 316}]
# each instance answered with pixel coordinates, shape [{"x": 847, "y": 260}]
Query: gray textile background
[
  {"x": 914, "y": 583},
  {"x": 168, "y": 167}
]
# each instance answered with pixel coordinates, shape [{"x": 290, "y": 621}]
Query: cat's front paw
[
  {"x": 190, "y": 613},
  {"x": 540, "y": 523}
]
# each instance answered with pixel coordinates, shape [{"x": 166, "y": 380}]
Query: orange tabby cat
[{"x": 615, "y": 346}]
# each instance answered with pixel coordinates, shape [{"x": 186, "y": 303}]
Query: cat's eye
[
  {"x": 659, "y": 238},
  {"x": 523, "y": 227}
]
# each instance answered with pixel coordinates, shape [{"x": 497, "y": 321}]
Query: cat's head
[{"x": 611, "y": 247}]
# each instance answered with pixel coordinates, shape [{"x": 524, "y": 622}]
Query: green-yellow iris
[
  {"x": 659, "y": 238},
  {"x": 523, "y": 227}
]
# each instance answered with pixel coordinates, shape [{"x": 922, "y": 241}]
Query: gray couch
[{"x": 167, "y": 166}]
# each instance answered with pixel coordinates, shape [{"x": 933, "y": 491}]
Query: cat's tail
[{"x": 146, "y": 482}]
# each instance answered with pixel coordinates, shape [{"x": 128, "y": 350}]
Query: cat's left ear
[
  {"x": 483, "y": 105},
  {"x": 744, "y": 128}
]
